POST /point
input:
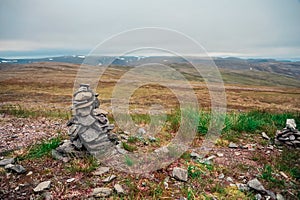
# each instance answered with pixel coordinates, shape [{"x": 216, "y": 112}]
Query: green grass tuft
[
  {"x": 43, "y": 149},
  {"x": 249, "y": 122},
  {"x": 128, "y": 147},
  {"x": 289, "y": 162},
  {"x": 132, "y": 139},
  {"x": 267, "y": 175},
  {"x": 194, "y": 172},
  {"x": 128, "y": 161},
  {"x": 141, "y": 118},
  {"x": 174, "y": 119},
  {"x": 86, "y": 165}
]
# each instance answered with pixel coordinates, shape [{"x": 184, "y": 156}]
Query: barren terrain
[{"x": 35, "y": 101}]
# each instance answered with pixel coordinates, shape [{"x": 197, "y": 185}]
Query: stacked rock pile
[
  {"x": 89, "y": 128},
  {"x": 289, "y": 135}
]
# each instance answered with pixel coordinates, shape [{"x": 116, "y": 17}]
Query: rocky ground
[
  {"x": 36, "y": 98},
  {"x": 22, "y": 132},
  {"x": 231, "y": 170}
]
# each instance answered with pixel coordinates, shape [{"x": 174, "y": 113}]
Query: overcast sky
[{"x": 244, "y": 28}]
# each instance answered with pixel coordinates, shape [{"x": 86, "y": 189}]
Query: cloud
[
  {"x": 25, "y": 45},
  {"x": 238, "y": 27}
]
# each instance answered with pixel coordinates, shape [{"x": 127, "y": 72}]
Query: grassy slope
[
  {"x": 44, "y": 90},
  {"x": 50, "y": 86}
]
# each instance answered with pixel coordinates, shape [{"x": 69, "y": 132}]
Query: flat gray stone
[
  {"x": 279, "y": 197},
  {"x": 180, "y": 174},
  {"x": 287, "y": 134},
  {"x": 288, "y": 143},
  {"x": 258, "y": 197},
  {"x": 47, "y": 195},
  {"x": 233, "y": 145},
  {"x": 271, "y": 194},
  {"x": 291, "y": 124},
  {"x": 120, "y": 149},
  {"x": 101, "y": 170},
  {"x": 70, "y": 180},
  {"x": 66, "y": 147},
  {"x": 109, "y": 178},
  {"x": 297, "y": 133},
  {"x": 7, "y": 161},
  {"x": 42, "y": 186},
  {"x": 15, "y": 168},
  {"x": 283, "y": 175},
  {"x": 119, "y": 189},
  {"x": 152, "y": 139},
  {"x": 123, "y": 136},
  {"x": 283, "y": 138},
  {"x": 141, "y": 131},
  {"x": 89, "y": 135},
  {"x": 265, "y": 136},
  {"x": 210, "y": 157},
  {"x": 162, "y": 150},
  {"x": 29, "y": 173},
  {"x": 219, "y": 154},
  {"x": 195, "y": 155},
  {"x": 229, "y": 179},
  {"x": 242, "y": 187},
  {"x": 221, "y": 176},
  {"x": 277, "y": 142},
  {"x": 102, "y": 192},
  {"x": 292, "y": 137},
  {"x": 256, "y": 185},
  {"x": 56, "y": 155}
]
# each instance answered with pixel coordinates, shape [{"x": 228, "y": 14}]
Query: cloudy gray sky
[{"x": 244, "y": 28}]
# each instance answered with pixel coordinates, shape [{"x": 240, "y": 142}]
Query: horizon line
[{"x": 111, "y": 55}]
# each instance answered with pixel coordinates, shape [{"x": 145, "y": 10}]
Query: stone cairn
[
  {"x": 289, "y": 135},
  {"x": 89, "y": 128}
]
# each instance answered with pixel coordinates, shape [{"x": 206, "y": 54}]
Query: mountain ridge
[{"x": 287, "y": 68}]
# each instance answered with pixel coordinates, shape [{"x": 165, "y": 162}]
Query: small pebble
[
  {"x": 70, "y": 180},
  {"x": 220, "y": 154},
  {"x": 29, "y": 173},
  {"x": 221, "y": 176},
  {"x": 229, "y": 179}
]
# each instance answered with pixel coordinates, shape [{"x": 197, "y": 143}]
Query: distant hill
[{"x": 287, "y": 68}]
